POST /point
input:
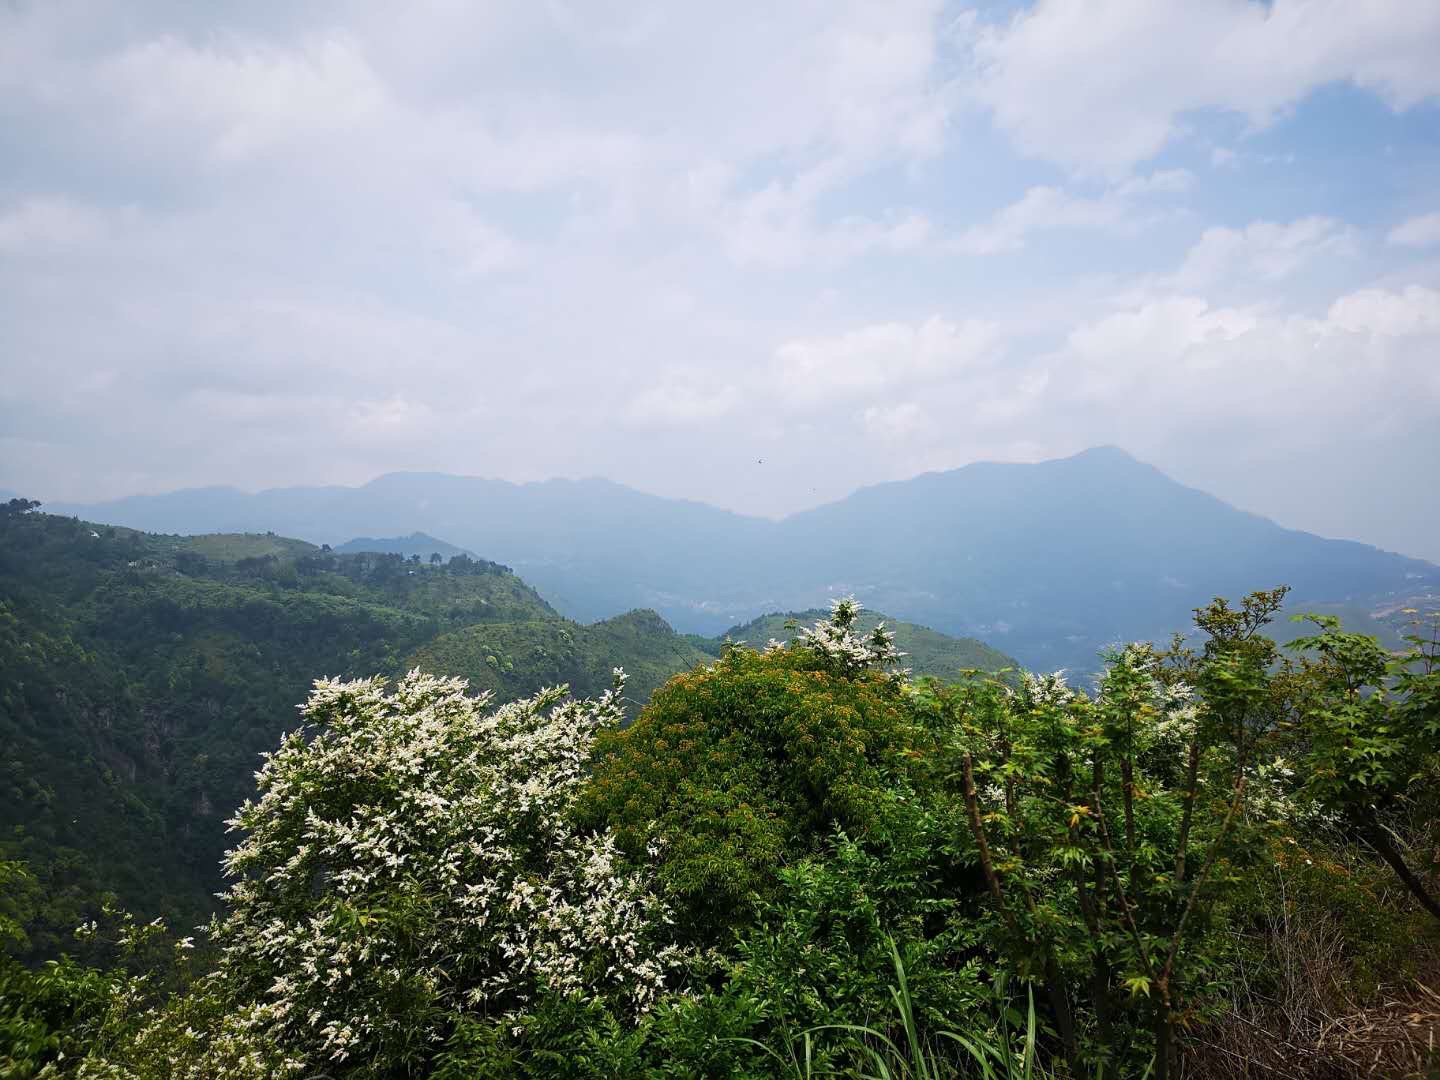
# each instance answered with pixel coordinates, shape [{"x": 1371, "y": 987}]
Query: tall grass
[{"x": 947, "y": 1055}]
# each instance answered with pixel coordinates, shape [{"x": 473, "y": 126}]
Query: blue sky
[{"x": 265, "y": 244}]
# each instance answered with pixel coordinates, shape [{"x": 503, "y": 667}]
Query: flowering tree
[
  {"x": 835, "y": 641},
  {"x": 411, "y": 869}
]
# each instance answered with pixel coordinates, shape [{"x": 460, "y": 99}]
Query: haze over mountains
[
  {"x": 1049, "y": 562},
  {"x": 416, "y": 543}
]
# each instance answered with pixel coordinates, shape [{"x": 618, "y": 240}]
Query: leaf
[{"x": 1138, "y": 984}]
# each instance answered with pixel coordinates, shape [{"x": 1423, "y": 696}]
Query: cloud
[
  {"x": 1413, "y": 311},
  {"x": 1046, "y": 208},
  {"x": 1039, "y": 208},
  {"x": 1264, "y": 249},
  {"x": 1418, "y": 232},
  {"x": 874, "y": 358},
  {"x": 1180, "y": 365},
  {"x": 1102, "y": 85},
  {"x": 895, "y": 423},
  {"x": 47, "y": 226},
  {"x": 268, "y": 244},
  {"x": 681, "y": 404}
]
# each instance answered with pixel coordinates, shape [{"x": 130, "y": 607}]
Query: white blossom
[{"x": 421, "y": 842}]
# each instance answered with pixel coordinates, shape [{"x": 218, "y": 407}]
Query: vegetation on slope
[
  {"x": 141, "y": 677},
  {"x": 927, "y": 652},
  {"x": 417, "y": 543},
  {"x": 515, "y": 658},
  {"x": 798, "y": 863}
]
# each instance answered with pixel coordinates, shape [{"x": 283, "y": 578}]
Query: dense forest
[
  {"x": 142, "y": 676},
  {"x": 800, "y": 859}
]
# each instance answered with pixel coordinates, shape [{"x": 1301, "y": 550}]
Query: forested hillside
[
  {"x": 927, "y": 652},
  {"x": 798, "y": 861},
  {"x": 418, "y": 543},
  {"x": 142, "y": 675}
]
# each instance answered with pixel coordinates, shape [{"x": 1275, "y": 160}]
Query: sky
[{"x": 754, "y": 254}]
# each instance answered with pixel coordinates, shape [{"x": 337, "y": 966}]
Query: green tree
[
  {"x": 736, "y": 768},
  {"x": 1368, "y": 731}
]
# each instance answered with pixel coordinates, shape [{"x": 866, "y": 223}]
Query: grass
[{"x": 947, "y": 1055}]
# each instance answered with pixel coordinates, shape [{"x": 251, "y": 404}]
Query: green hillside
[
  {"x": 141, "y": 677},
  {"x": 417, "y": 543},
  {"x": 928, "y": 652},
  {"x": 513, "y": 658}
]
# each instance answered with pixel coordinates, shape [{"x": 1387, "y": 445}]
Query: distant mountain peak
[
  {"x": 1106, "y": 452},
  {"x": 416, "y": 543}
]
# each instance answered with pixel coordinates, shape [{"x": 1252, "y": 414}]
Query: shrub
[
  {"x": 409, "y": 876},
  {"x": 740, "y": 767}
]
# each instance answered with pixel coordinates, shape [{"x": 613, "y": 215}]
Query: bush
[
  {"x": 751, "y": 763},
  {"x": 409, "y": 879}
]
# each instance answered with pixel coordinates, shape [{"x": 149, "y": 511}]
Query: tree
[
  {"x": 755, "y": 760},
  {"x": 1102, "y": 824},
  {"x": 435, "y": 558},
  {"x": 1368, "y": 728},
  {"x": 410, "y": 869}
]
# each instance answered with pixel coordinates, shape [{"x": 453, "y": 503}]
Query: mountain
[
  {"x": 1050, "y": 562},
  {"x": 927, "y": 652},
  {"x": 142, "y": 675},
  {"x": 415, "y": 544}
]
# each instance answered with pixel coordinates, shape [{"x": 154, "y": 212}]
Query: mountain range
[
  {"x": 1050, "y": 562},
  {"x": 416, "y": 543}
]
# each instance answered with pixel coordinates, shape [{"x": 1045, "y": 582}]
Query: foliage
[
  {"x": 412, "y": 864},
  {"x": 141, "y": 676},
  {"x": 1368, "y": 732},
  {"x": 1107, "y": 826},
  {"x": 928, "y": 652},
  {"x": 516, "y": 657},
  {"x": 796, "y": 862},
  {"x": 754, "y": 760}
]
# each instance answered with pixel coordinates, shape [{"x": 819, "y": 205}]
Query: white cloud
[
  {"x": 1418, "y": 232},
  {"x": 681, "y": 404},
  {"x": 869, "y": 360},
  {"x": 48, "y": 226},
  {"x": 1162, "y": 182},
  {"x": 895, "y": 423},
  {"x": 1180, "y": 365},
  {"x": 1101, "y": 85},
  {"x": 1264, "y": 249},
  {"x": 1414, "y": 310},
  {"x": 1044, "y": 208},
  {"x": 1039, "y": 208}
]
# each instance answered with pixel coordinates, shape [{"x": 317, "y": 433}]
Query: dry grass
[{"x": 1307, "y": 1025}]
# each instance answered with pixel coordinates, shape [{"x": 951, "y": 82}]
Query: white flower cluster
[
  {"x": 836, "y": 640},
  {"x": 417, "y": 857},
  {"x": 1166, "y": 712},
  {"x": 1037, "y": 691},
  {"x": 1273, "y": 794}
]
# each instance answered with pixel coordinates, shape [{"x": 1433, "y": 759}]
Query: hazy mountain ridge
[
  {"x": 417, "y": 543},
  {"x": 1052, "y": 561}
]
